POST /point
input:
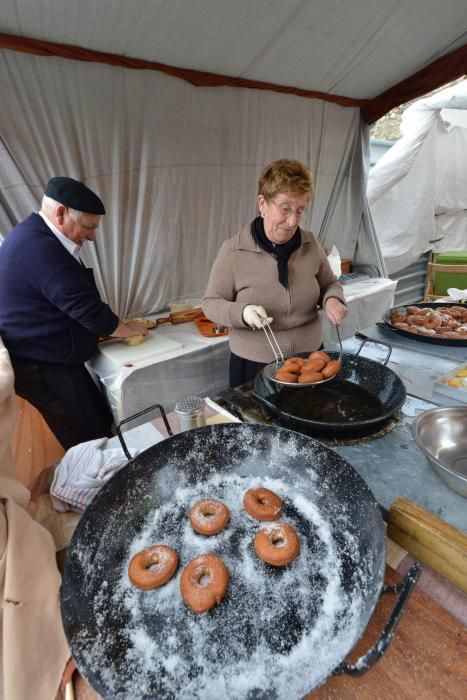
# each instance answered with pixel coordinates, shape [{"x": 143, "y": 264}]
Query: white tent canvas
[
  {"x": 176, "y": 166},
  {"x": 176, "y": 161},
  {"x": 418, "y": 189}
]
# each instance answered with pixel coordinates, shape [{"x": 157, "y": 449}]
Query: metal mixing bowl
[{"x": 441, "y": 434}]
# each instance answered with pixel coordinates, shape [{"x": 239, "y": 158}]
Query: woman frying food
[{"x": 273, "y": 271}]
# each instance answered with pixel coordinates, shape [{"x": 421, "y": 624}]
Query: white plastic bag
[
  {"x": 335, "y": 261},
  {"x": 457, "y": 294}
]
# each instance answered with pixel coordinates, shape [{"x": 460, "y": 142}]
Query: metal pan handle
[
  {"x": 405, "y": 588},
  {"x": 137, "y": 415},
  {"x": 365, "y": 339}
]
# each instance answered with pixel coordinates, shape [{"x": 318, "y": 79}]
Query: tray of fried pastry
[
  {"x": 208, "y": 328},
  {"x": 453, "y": 384}
]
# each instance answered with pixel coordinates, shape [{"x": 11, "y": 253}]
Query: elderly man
[{"x": 51, "y": 314}]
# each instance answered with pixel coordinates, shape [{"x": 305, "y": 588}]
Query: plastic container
[
  {"x": 183, "y": 305},
  {"x": 453, "y": 384},
  {"x": 444, "y": 280}
]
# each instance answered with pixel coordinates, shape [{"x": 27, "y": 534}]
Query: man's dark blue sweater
[{"x": 50, "y": 308}]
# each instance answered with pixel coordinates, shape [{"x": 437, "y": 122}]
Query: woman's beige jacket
[{"x": 244, "y": 274}]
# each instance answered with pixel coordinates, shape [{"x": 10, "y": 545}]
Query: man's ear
[{"x": 60, "y": 213}]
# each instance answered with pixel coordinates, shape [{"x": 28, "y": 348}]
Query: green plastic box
[{"x": 444, "y": 280}]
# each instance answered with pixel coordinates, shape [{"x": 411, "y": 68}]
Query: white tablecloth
[
  {"x": 366, "y": 302},
  {"x": 200, "y": 367}
]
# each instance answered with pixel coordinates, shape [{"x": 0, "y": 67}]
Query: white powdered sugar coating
[{"x": 278, "y": 632}]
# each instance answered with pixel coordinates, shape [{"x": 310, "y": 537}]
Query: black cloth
[
  {"x": 74, "y": 194},
  {"x": 282, "y": 251},
  {"x": 67, "y": 397},
  {"x": 242, "y": 371}
]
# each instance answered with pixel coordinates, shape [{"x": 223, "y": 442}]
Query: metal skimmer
[{"x": 273, "y": 367}]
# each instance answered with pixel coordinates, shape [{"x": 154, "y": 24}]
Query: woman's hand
[
  {"x": 335, "y": 310},
  {"x": 255, "y": 316}
]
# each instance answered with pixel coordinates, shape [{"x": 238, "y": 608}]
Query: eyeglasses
[{"x": 287, "y": 210}]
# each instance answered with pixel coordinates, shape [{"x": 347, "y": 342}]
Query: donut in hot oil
[
  {"x": 332, "y": 368},
  {"x": 315, "y": 365},
  {"x": 209, "y": 517},
  {"x": 291, "y": 366},
  {"x": 203, "y": 582},
  {"x": 319, "y": 354},
  {"x": 310, "y": 377},
  {"x": 263, "y": 504},
  {"x": 278, "y": 544},
  {"x": 153, "y": 567},
  {"x": 295, "y": 360},
  {"x": 289, "y": 377}
]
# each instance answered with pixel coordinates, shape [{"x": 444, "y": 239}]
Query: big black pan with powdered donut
[{"x": 278, "y": 632}]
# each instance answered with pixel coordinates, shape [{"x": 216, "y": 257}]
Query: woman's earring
[{"x": 262, "y": 214}]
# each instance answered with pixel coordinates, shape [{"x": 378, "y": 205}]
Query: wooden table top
[{"x": 426, "y": 659}]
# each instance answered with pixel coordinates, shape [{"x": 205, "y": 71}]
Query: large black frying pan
[
  {"x": 278, "y": 632},
  {"x": 361, "y": 398},
  {"x": 448, "y": 342}
]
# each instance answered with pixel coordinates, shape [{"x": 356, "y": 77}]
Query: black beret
[{"x": 74, "y": 194}]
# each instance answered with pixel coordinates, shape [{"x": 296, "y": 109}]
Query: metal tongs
[
  {"x": 275, "y": 347},
  {"x": 341, "y": 352},
  {"x": 273, "y": 367}
]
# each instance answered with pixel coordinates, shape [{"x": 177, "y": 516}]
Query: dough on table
[
  {"x": 134, "y": 340},
  {"x": 146, "y": 322}
]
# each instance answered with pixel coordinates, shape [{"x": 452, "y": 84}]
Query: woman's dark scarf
[{"x": 281, "y": 251}]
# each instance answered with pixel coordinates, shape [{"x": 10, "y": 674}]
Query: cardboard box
[{"x": 346, "y": 266}]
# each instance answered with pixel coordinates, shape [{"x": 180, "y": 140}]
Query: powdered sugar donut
[
  {"x": 277, "y": 544},
  {"x": 263, "y": 504},
  {"x": 209, "y": 517},
  {"x": 203, "y": 582},
  {"x": 153, "y": 567}
]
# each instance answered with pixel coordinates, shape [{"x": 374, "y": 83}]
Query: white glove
[{"x": 255, "y": 316}]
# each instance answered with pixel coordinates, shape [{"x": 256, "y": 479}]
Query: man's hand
[
  {"x": 126, "y": 329},
  {"x": 255, "y": 316},
  {"x": 335, "y": 310}
]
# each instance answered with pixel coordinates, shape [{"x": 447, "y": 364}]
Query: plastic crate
[{"x": 443, "y": 280}]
